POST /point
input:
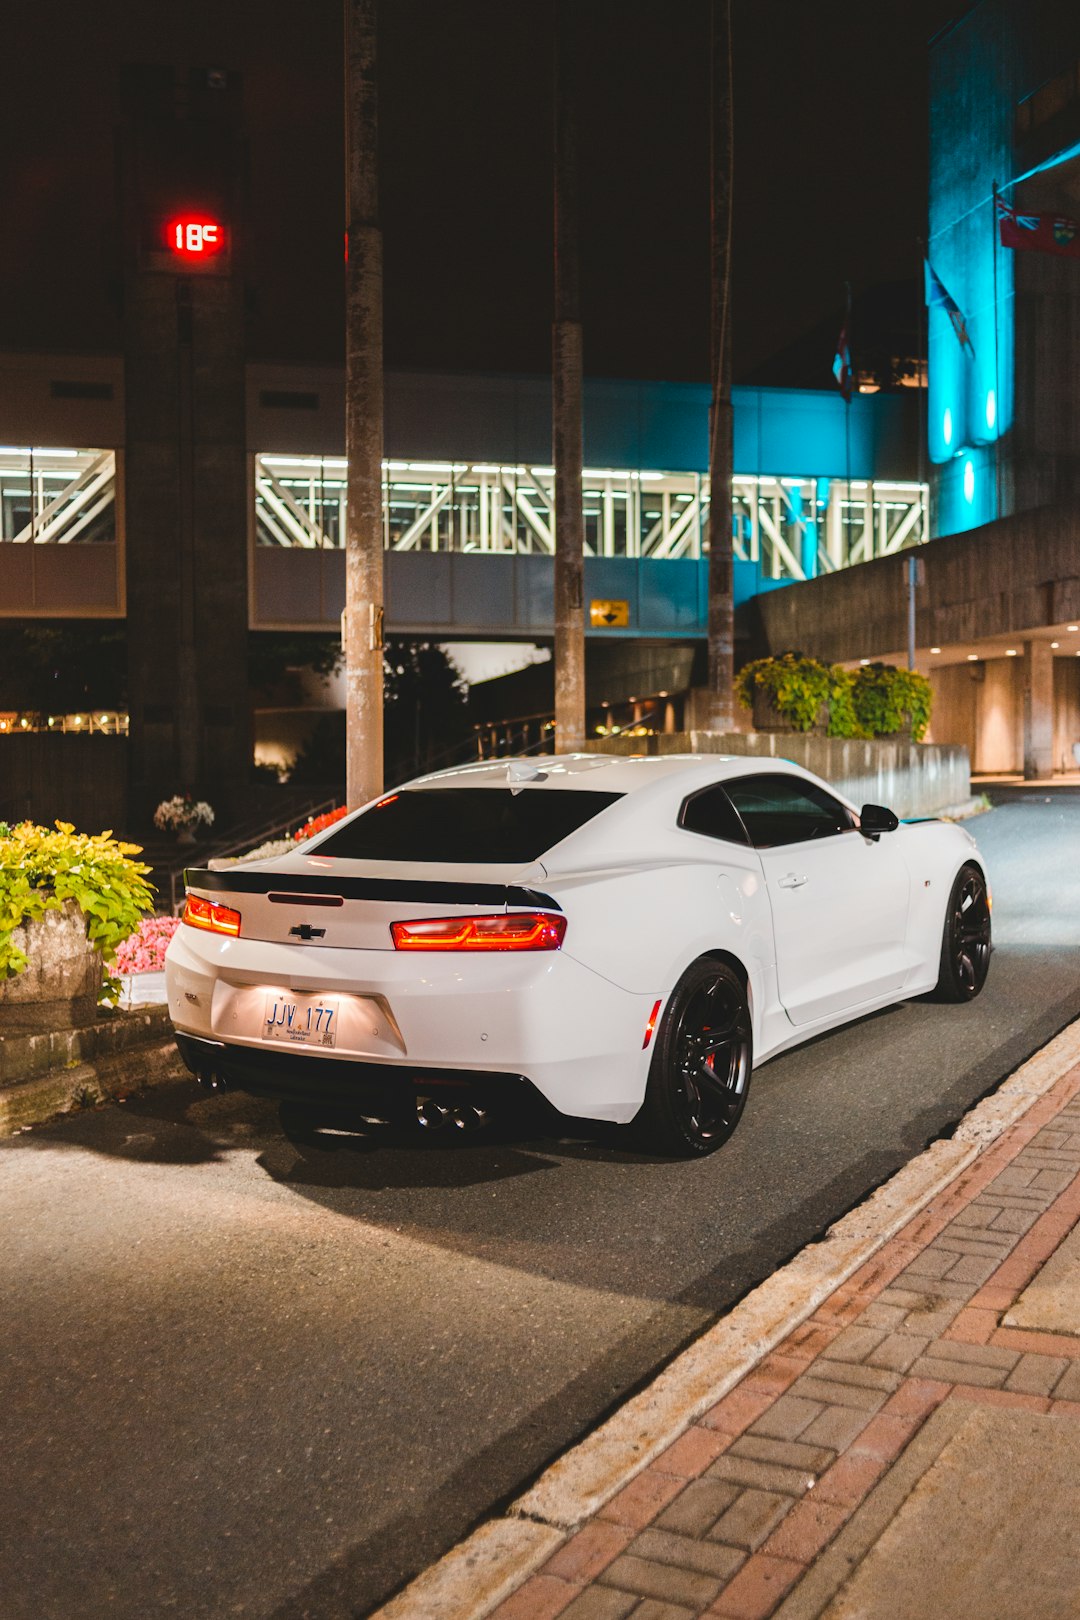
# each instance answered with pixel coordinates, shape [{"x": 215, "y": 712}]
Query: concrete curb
[{"x": 477, "y": 1574}]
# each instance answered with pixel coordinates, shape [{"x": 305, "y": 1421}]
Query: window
[
  {"x": 712, "y": 813},
  {"x": 473, "y": 826},
  {"x": 786, "y": 810}
]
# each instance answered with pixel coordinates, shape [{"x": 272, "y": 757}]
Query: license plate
[{"x": 301, "y": 1020}]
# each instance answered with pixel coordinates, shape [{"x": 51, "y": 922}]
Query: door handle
[{"x": 790, "y": 882}]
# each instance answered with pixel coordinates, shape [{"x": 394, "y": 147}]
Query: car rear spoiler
[{"x": 234, "y": 881}]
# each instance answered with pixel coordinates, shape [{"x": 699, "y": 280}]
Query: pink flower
[{"x": 144, "y": 951}]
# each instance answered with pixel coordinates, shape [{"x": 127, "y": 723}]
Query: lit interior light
[
  {"x": 969, "y": 482},
  {"x": 78, "y": 719},
  {"x": 973, "y": 658},
  {"x": 24, "y": 723},
  {"x": 946, "y": 426},
  {"x": 935, "y": 649},
  {"x": 1072, "y": 627},
  {"x": 991, "y": 409},
  {"x": 1055, "y": 644},
  {"x": 864, "y": 661},
  {"x": 1010, "y": 652}
]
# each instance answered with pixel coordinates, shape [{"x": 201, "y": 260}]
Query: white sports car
[{"x": 626, "y": 937}]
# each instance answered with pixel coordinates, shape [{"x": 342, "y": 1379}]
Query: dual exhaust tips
[{"x": 433, "y": 1115}]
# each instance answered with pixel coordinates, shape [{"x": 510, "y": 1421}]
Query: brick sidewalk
[{"x": 767, "y": 1504}]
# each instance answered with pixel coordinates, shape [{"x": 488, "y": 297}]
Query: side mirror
[{"x": 874, "y": 820}]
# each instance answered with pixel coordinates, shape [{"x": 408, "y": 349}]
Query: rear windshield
[{"x": 473, "y": 825}]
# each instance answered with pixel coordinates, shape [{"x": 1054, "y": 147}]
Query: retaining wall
[{"x": 914, "y": 779}]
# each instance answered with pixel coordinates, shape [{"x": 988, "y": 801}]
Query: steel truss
[
  {"x": 57, "y": 497},
  {"x": 790, "y": 528}
]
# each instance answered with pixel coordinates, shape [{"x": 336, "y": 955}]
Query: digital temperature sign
[{"x": 195, "y": 239}]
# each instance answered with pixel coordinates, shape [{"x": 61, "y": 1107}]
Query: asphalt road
[{"x": 244, "y": 1376}]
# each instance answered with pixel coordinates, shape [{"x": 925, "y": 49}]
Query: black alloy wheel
[
  {"x": 700, "y": 1072},
  {"x": 966, "y": 943}
]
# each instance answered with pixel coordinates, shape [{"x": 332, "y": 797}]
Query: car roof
[{"x": 603, "y": 773}]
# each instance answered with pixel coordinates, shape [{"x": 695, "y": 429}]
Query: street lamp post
[{"x": 362, "y": 622}]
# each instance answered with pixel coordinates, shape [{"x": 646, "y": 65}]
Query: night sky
[{"x": 831, "y": 116}]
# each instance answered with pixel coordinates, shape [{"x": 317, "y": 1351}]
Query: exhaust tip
[
  {"x": 430, "y": 1115},
  {"x": 469, "y": 1117},
  {"x": 211, "y": 1081}
]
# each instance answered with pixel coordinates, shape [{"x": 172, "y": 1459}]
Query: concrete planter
[
  {"x": 767, "y": 716},
  {"x": 59, "y": 988}
]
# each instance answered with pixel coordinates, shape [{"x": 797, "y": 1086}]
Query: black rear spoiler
[{"x": 238, "y": 881}]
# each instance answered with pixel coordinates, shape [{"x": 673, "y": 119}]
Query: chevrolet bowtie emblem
[{"x": 305, "y": 931}]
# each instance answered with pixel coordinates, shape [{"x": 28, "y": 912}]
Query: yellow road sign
[{"x": 609, "y": 615}]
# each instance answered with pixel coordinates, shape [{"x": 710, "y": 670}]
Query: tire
[
  {"x": 700, "y": 1072},
  {"x": 965, "y": 938}
]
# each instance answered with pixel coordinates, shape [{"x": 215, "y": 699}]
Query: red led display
[{"x": 195, "y": 238}]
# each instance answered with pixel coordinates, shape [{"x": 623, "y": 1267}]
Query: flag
[
  {"x": 841, "y": 366},
  {"x": 1038, "y": 233},
  {"x": 937, "y": 297}
]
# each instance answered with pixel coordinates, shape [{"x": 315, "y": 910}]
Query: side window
[
  {"x": 786, "y": 810},
  {"x": 711, "y": 812}
]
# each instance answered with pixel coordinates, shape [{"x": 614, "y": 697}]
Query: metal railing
[{"x": 243, "y": 838}]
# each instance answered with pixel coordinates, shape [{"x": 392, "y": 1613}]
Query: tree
[
  {"x": 362, "y": 632},
  {"x": 62, "y": 668},
  {"x": 721, "y": 612},
  {"x": 566, "y": 393},
  {"x": 426, "y": 720}
]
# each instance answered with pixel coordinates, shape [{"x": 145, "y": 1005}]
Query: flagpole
[
  {"x": 997, "y": 379},
  {"x": 922, "y": 339}
]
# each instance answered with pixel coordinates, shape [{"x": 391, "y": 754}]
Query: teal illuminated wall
[
  {"x": 1004, "y": 109},
  {"x": 970, "y": 400}
]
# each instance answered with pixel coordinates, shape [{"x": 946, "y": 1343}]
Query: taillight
[
  {"x": 513, "y": 931},
  {"x": 208, "y": 914}
]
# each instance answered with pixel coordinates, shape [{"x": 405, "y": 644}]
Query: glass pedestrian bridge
[
  {"x": 470, "y": 542},
  {"x": 788, "y": 527}
]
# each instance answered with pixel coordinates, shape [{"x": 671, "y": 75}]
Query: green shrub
[
  {"x": 843, "y": 721},
  {"x": 877, "y": 700},
  {"x": 41, "y": 868},
  {"x": 888, "y": 701}
]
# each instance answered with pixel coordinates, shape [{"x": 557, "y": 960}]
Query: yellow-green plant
[
  {"x": 42, "y": 867},
  {"x": 798, "y": 687}
]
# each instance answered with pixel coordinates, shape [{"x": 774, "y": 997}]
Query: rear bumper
[
  {"x": 380, "y": 1089},
  {"x": 482, "y": 1023}
]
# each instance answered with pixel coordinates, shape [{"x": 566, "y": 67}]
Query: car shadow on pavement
[
  {"x": 150, "y": 1126},
  {"x": 378, "y": 1157}
]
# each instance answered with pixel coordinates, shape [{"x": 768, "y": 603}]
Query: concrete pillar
[
  {"x": 185, "y": 469},
  {"x": 1038, "y": 709}
]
